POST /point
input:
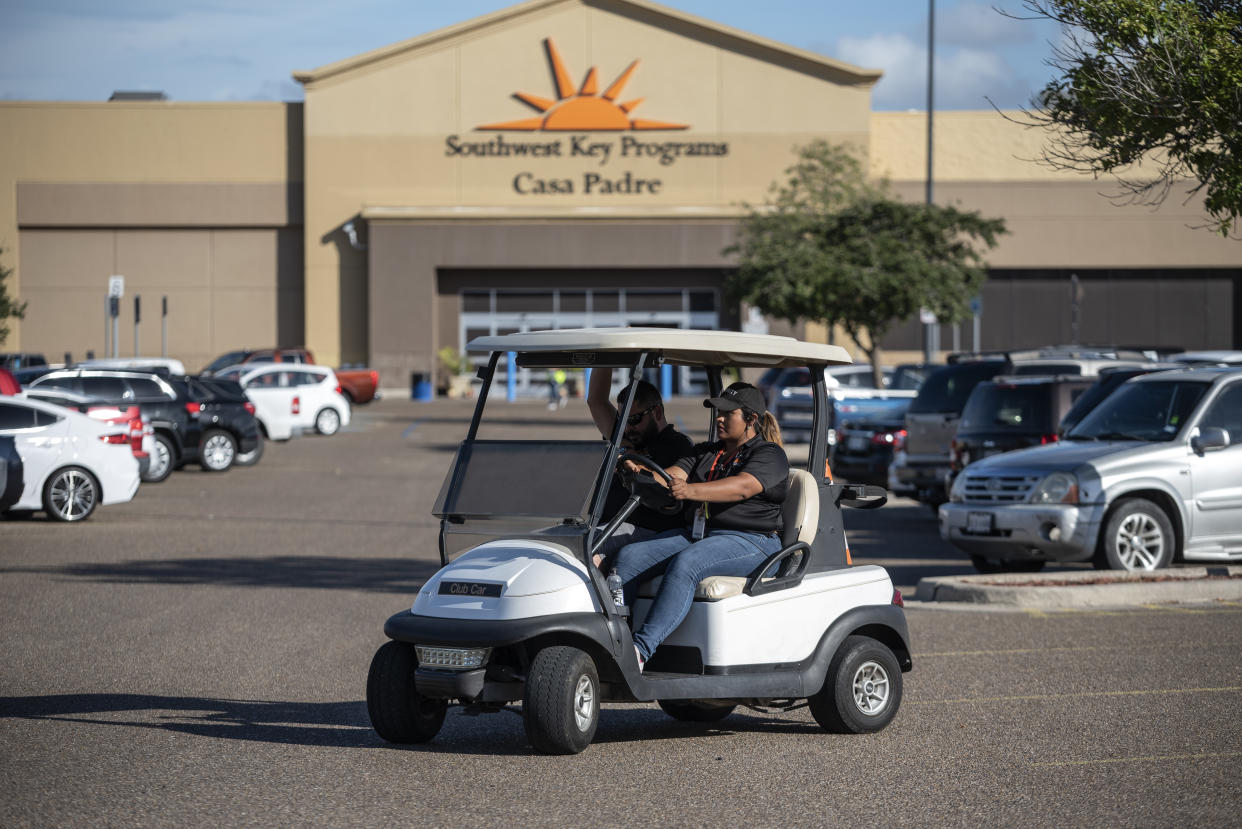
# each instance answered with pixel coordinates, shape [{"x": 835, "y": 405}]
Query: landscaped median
[{"x": 1087, "y": 588}]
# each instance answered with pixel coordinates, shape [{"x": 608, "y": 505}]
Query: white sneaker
[{"x": 642, "y": 663}]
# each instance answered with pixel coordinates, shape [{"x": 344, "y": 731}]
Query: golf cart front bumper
[{"x": 488, "y": 683}]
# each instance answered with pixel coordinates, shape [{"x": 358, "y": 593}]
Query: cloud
[
  {"x": 965, "y": 77},
  {"x": 981, "y": 25}
]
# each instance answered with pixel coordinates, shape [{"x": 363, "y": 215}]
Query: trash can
[{"x": 420, "y": 387}]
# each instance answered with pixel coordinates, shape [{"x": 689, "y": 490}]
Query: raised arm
[{"x": 602, "y": 411}]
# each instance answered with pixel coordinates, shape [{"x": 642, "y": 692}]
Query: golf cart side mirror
[
  {"x": 862, "y": 496},
  {"x": 1209, "y": 439}
]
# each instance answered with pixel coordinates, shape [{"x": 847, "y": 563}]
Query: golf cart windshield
[
  {"x": 519, "y": 489},
  {"x": 519, "y": 479}
]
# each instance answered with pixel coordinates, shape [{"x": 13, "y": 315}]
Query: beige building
[{"x": 558, "y": 163}]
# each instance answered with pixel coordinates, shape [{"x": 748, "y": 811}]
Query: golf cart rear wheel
[
  {"x": 398, "y": 712},
  {"x": 862, "y": 689},
  {"x": 561, "y": 702},
  {"x": 695, "y": 711}
]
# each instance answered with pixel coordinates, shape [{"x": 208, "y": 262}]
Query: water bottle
[{"x": 616, "y": 588}]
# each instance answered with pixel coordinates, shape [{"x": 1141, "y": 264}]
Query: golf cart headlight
[
  {"x": 957, "y": 493},
  {"x": 452, "y": 659},
  {"x": 1057, "y": 488}
]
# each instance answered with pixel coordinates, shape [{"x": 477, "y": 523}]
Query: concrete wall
[{"x": 198, "y": 202}]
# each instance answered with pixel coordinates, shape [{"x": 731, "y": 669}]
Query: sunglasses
[{"x": 637, "y": 418}]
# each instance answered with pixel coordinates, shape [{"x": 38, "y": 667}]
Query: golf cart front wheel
[
  {"x": 695, "y": 711},
  {"x": 398, "y": 712},
  {"x": 862, "y": 690},
  {"x": 561, "y": 702}
]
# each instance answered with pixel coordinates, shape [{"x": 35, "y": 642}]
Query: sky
[{"x": 243, "y": 50}]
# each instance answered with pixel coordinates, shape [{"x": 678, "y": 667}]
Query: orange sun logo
[{"x": 582, "y": 110}]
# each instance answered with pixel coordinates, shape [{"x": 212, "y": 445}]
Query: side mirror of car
[{"x": 1209, "y": 439}]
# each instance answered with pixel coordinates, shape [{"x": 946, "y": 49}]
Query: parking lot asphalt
[{"x": 198, "y": 657}]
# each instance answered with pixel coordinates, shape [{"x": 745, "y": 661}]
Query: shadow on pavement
[
  {"x": 286, "y": 723},
  {"x": 346, "y": 724},
  {"x": 391, "y": 575}
]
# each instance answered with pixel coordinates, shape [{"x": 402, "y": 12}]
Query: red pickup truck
[{"x": 358, "y": 385}]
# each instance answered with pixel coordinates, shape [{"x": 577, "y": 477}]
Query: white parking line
[
  {"x": 1147, "y": 759},
  {"x": 1079, "y": 695}
]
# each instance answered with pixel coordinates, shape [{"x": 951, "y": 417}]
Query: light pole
[{"x": 930, "y": 329}]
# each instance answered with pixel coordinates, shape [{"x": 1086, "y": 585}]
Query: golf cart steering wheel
[{"x": 649, "y": 493}]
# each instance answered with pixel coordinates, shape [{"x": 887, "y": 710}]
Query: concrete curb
[{"x": 1087, "y": 588}]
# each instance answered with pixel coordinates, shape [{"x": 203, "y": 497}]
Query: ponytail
[
  {"x": 765, "y": 425},
  {"x": 768, "y": 429}
]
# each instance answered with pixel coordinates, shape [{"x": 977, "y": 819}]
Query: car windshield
[
  {"x": 1091, "y": 398},
  {"x": 224, "y": 361},
  {"x": 1151, "y": 411},
  {"x": 947, "y": 389},
  {"x": 1002, "y": 407},
  {"x": 909, "y": 377}
]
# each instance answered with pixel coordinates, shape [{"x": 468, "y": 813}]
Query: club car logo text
[{"x": 469, "y": 588}]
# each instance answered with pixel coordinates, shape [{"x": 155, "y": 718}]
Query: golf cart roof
[{"x": 678, "y": 346}]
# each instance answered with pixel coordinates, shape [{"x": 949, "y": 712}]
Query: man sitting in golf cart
[
  {"x": 646, "y": 432},
  {"x": 736, "y": 486}
]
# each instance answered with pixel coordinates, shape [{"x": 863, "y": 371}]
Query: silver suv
[{"x": 1154, "y": 473}]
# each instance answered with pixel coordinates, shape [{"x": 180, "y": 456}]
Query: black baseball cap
[{"x": 737, "y": 396}]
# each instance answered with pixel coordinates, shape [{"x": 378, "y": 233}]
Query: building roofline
[{"x": 768, "y": 49}]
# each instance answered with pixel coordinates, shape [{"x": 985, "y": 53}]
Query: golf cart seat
[{"x": 800, "y": 517}]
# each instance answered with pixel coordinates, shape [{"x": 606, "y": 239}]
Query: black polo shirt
[
  {"x": 668, "y": 447},
  {"x": 765, "y": 461}
]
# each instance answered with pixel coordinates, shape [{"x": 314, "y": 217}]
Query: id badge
[{"x": 700, "y": 524}]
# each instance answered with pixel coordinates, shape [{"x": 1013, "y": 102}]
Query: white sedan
[
  {"x": 71, "y": 463},
  {"x": 290, "y": 398}
]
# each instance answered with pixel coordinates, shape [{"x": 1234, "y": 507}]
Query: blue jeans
[{"x": 684, "y": 561}]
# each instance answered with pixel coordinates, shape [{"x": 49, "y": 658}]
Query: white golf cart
[{"x": 519, "y": 612}]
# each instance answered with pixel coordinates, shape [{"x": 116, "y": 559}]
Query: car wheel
[
  {"x": 1137, "y": 536},
  {"x": 399, "y": 714},
  {"x": 561, "y": 700},
  {"x": 162, "y": 459},
  {"x": 695, "y": 711},
  {"x": 218, "y": 451},
  {"x": 252, "y": 457},
  {"x": 991, "y": 565},
  {"x": 862, "y": 689},
  {"x": 70, "y": 494},
  {"x": 328, "y": 421}
]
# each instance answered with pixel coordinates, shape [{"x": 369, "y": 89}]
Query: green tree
[
  {"x": 833, "y": 247},
  {"x": 8, "y": 308},
  {"x": 1149, "y": 91}
]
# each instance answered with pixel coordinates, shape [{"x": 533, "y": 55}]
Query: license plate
[
  {"x": 857, "y": 443},
  {"x": 978, "y": 522}
]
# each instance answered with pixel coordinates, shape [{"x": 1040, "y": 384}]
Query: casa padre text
[{"x": 593, "y": 147}]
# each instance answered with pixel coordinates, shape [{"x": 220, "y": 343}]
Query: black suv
[
  {"x": 1012, "y": 412},
  {"x": 931, "y": 422},
  {"x": 201, "y": 421}
]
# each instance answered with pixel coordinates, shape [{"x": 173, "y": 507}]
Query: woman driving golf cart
[
  {"x": 520, "y": 612},
  {"x": 738, "y": 484}
]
